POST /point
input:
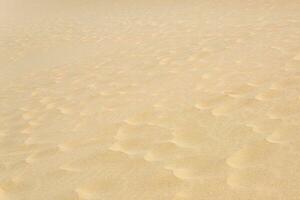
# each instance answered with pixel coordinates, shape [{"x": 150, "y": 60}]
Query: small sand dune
[{"x": 149, "y": 100}]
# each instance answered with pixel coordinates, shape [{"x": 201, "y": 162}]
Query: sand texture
[{"x": 149, "y": 100}]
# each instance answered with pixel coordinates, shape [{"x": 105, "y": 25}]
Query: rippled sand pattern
[{"x": 149, "y": 100}]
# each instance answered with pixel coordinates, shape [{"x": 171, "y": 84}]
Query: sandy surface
[{"x": 149, "y": 100}]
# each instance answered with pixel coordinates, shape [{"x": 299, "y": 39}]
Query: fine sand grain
[{"x": 149, "y": 100}]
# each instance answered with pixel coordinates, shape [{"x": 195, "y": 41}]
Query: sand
[{"x": 149, "y": 100}]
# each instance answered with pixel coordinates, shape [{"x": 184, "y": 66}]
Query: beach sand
[{"x": 149, "y": 100}]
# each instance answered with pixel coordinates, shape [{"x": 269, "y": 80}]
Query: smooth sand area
[{"x": 149, "y": 100}]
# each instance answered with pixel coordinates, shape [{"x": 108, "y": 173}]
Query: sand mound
[{"x": 149, "y": 100}]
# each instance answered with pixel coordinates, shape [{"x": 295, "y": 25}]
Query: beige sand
[{"x": 149, "y": 100}]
